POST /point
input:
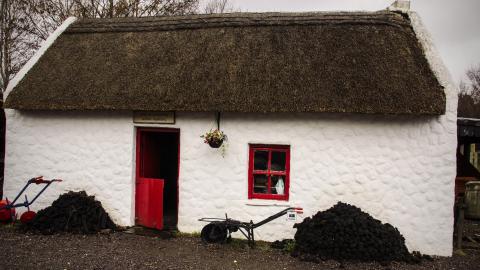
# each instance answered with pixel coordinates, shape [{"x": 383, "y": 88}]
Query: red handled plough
[{"x": 7, "y": 208}]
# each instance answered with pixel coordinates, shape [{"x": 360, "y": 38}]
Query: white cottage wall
[
  {"x": 90, "y": 151},
  {"x": 399, "y": 169}
]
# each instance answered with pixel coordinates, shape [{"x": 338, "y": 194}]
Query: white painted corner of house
[
  {"x": 32, "y": 61},
  {"x": 433, "y": 56}
]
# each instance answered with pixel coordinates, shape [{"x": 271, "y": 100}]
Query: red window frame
[{"x": 269, "y": 173}]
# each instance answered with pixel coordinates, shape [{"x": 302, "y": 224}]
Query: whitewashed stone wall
[
  {"x": 90, "y": 151},
  {"x": 400, "y": 169}
]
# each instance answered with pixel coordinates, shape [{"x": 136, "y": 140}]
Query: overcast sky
[{"x": 454, "y": 24}]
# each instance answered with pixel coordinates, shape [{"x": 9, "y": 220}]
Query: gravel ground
[{"x": 120, "y": 250}]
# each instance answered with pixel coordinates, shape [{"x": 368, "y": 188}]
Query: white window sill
[{"x": 269, "y": 203}]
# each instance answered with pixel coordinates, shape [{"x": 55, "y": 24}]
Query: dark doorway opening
[{"x": 158, "y": 160}]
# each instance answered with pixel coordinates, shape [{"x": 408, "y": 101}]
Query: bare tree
[
  {"x": 219, "y": 6},
  {"x": 473, "y": 75},
  {"x": 24, "y": 24},
  {"x": 16, "y": 44},
  {"x": 469, "y": 96}
]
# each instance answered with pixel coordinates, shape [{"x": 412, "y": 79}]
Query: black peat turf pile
[
  {"x": 74, "y": 212},
  {"x": 346, "y": 233}
]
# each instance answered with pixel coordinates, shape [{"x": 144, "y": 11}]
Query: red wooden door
[
  {"x": 149, "y": 202},
  {"x": 149, "y": 186}
]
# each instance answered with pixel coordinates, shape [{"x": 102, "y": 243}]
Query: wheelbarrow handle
[{"x": 299, "y": 210}]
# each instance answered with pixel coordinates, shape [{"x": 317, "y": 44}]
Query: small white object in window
[{"x": 280, "y": 186}]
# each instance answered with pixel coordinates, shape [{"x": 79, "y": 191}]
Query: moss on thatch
[{"x": 368, "y": 62}]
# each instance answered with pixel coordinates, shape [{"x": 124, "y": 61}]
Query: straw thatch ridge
[
  {"x": 362, "y": 62},
  {"x": 234, "y": 20}
]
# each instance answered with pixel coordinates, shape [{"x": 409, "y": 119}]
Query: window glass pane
[
  {"x": 278, "y": 161},
  {"x": 260, "y": 183},
  {"x": 278, "y": 184},
  {"x": 260, "y": 160}
]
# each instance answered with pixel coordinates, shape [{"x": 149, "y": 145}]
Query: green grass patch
[
  {"x": 289, "y": 247},
  {"x": 187, "y": 234},
  {"x": 243, "y": 244}
]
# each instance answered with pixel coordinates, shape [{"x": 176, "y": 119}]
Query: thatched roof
[{"x": 367, "y": 62}]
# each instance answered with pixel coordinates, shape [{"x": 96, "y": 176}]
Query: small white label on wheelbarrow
[{"x": 291, "y": 216}]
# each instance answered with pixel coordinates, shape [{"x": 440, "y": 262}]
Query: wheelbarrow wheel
[{"x": 214, "y": 232}]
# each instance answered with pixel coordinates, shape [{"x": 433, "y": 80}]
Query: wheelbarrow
[
  {"x": 218, "y": 230},
  {"x": 7, "y": 208}
]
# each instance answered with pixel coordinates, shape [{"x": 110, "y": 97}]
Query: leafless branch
[{"x": 220, "y": 6}]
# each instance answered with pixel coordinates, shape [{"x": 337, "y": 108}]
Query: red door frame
[{"x": 137, "y": 154}]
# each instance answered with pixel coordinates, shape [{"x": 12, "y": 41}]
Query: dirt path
[{"x": 129, "y": 251}]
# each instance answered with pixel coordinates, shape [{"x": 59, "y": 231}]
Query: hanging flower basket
[
  {"x": 214, "y": 138},
  {"x": 215, "y": 144}
]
